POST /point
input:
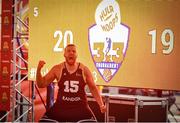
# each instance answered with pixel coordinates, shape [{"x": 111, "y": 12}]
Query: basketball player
[
  {"x": 107, "y": 48},
  {"x": 71, "y": 104}
]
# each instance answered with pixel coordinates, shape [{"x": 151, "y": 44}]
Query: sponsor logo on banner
[
  {"x": 6, "y": 20},
  {"x": 5, "y": 46},
  {"x": 4, "y": 98},
  {"x": 108, "y": 39},
  {"x": 5, "y": 72}
]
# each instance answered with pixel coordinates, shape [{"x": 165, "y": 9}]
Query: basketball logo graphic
[{"x": 108, "y": 39}]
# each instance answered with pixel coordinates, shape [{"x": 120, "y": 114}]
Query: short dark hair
[{"x": 69, "y": 45}]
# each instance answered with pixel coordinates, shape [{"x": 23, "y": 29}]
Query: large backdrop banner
[{"x": 128, "y": 43}]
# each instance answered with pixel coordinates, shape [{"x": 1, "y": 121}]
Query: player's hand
[
  {"x": 103, "y": 108},
  {"x": 41, "y": 64}
]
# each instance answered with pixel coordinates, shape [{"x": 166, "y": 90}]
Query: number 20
[{"x": 59, "y": 33}]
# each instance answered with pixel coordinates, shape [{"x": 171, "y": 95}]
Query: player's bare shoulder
[
  {"x": 58, "y": 66},
  {"x": 85, "y": 69},
  {"x": 82, "y": 66},
  {"x": 57, "y": 69}
]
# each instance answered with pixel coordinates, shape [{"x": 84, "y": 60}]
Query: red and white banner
[{"x": 6, "y": 55}]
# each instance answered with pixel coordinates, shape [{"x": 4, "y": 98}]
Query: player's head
[{"x": 70, "y": 54}]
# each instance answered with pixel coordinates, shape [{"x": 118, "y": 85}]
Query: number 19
[{"x": 169, "y": 44}]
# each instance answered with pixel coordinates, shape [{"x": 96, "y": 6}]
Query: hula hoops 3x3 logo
[{"x": 108, "y": 39}]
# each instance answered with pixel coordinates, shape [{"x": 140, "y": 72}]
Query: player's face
[{"x": 70, "y": 55}]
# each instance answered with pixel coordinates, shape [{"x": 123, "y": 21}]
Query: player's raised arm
[{"x": 43, "y": 81}]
